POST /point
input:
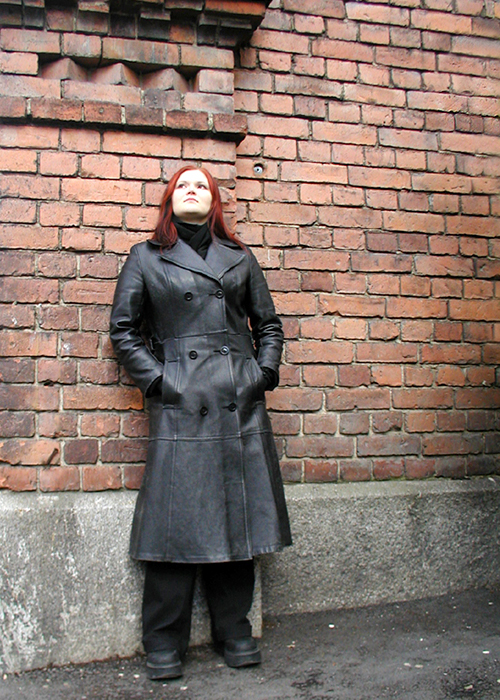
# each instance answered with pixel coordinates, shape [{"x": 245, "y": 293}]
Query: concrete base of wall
[{"x": 69, "y": 592}]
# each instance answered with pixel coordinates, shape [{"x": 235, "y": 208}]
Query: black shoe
[
  {"x": 163, "y": 664},
  {"x": 241, "y": 652}
]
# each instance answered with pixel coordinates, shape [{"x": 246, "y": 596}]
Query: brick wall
[{"x": 367, "y": 186}]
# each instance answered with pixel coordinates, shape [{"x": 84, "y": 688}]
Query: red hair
[{"x": 165, "y": 232}]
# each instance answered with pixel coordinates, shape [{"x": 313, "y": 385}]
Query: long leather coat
[{"x": 212, "y": 488}]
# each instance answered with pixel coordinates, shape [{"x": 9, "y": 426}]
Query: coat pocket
[
  {"x": 169, "y": 394},
  {"x": 257, "y": 377}
]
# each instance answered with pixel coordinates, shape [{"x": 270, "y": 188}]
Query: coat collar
[{"x": 220, "y": 258}]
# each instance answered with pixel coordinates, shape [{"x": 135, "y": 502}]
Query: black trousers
[{"x": 168, "y": 601}]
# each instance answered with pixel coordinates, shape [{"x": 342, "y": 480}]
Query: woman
[{"x": 212, "y": 493}]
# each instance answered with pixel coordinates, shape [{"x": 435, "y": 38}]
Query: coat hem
[{"x": 210, "y": 560}]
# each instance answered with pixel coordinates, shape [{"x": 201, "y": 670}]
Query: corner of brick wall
[{"x": 367, "y": 185}]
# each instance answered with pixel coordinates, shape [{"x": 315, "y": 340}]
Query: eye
[
  {"x": 202, "y": 186},
  {"x": 180, "y": 185}
]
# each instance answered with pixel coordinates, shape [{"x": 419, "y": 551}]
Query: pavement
[{"x": 432, "y": 649}]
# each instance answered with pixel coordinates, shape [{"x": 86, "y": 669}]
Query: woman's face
[{"x": 192, "y": 199}]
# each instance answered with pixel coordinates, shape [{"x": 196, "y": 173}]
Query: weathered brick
[
  {"x": 29, "y": 452},
  {"x": 17, "y": 424},
  {"x": 18, "y": 478},
  {"x": 60, "y": 479},
  {"x": 101, "y": 478}
]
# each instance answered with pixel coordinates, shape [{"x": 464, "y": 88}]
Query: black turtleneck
[{"x": 195, "y": 235}]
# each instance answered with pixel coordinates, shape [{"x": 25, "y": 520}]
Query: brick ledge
[{"x": 35, "y": 110}]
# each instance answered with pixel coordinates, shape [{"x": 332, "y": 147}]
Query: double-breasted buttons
[
  {"x": 219, "y": 294},
  {"x": 188, "y": 296},
  {"x": 203, "y": 411},
  {"x": 193, "y": 354},
  {"x": 232, "y": 407},
  {"x": 224, "y": 350}
]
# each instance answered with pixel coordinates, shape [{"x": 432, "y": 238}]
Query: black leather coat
[{"x": 212, "y": 488}]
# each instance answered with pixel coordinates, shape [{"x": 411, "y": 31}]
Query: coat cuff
[
  {"x": 154, "y": 389},
  {"x": 272, "y": 378}
]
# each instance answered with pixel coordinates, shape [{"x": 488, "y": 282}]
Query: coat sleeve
[
  {"x": 267, "y": 329},
  {"x": 126, "y": 318}
]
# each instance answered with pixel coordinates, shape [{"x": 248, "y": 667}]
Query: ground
[{"x": 444, "y": 648}]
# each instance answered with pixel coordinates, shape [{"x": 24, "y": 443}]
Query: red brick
[
  {"x": 383, "y": 285},
  {"x": 59, "y": 214},
  {"x": 355, "y": 470},
  {"x": 473, "y": 310},
  {"x": 420, "y": 422},
  {"x": 57, "y": 424},
  {"x": 388, "y": 445},
  {"x": 418, "y": 468},
  {"x": 320, "y": 423},
  {"x": 378, "y": 262},
  {"x": 423, "y": 398},
  {"x": 33, "y": 398},
  {"x": 466, "y": 354},
  {"x": 319, "y": 446},
  {"x": 388, "y": 468},
  {"x": 18, "y": 478},
  {"x": 291, "y": 470},
  {"x": 57, "y": 372},
  {"x": 383, "y": 352},
  {"x": 17, "y": 424},
  {"x": 315, "y": 237},
  {"x": 403, "y": 138},
  {"x": 132, "y": 476},
  {"x": 88, "y": 292},
  {"x": 350, "y": 329},
  {"x": 317, "y": 281},
  {"x": 102, "y": 215},
  {"x": 291, "y": 214},
  {"x": 353, "y": 375},
  {"x": 386, "y": 375},
  {"x": 320, "y": 471},
  {"x": 383, "y": 422},
  {"x": 360, "y": 398},
  {"x": 448, "y": 421},
  {"x": 18, "y": 161},
  {"x": 19, "y": 63},
  {"x": 385, "y": 330},
  {"x": 451, "y": 444},
  {"x": 292, "y": 399},
  {"x": 405, "y": 58},
  {"x": 101, "y": 478},
  {"x": 60, "y": 479},
  {"x": 79, "y": 345},
  {"x": 373, "y": 34},
  {"x": 29, "y": 452},
  {"x": 318, "y": 351},
  {"x": 416, "y": 330},
  {"x": 81, "y": 239},
  {"x": 320, "y": 375},
  {"x": 132, "y": 450},
  {"x": 351, "y": 305},
  {"x": 100, "y": 425},
  {"x": 38, "y": 291},
  {"x": 274, "y": 192}
]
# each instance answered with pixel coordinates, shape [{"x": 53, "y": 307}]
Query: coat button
[
  {"x": 193, "y": 354},
  {"x": 232, "y": 407},
  {"x": 224, "y": 350},
  {"x": 219, "y": 294},
  {"x": 203, "y": 411},
  {"x": 188, "y": 296}
]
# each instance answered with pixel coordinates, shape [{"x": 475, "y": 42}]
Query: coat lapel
[{"x": 220, "y": 258}]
